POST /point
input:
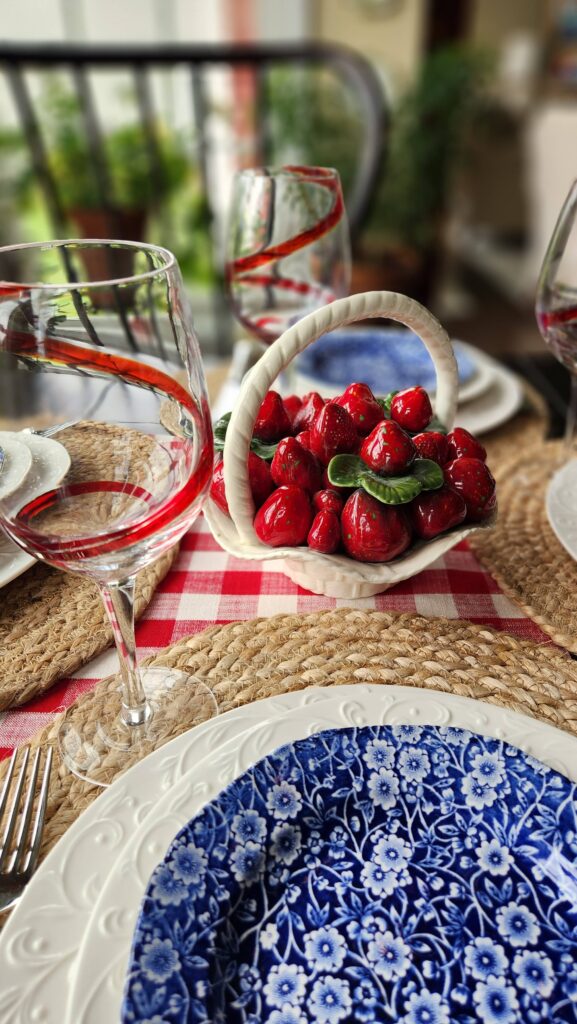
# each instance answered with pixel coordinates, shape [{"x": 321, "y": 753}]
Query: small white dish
[
  {"x": 16, "y": 463},
  {"x": 561, "y": 506},
  {"x": 47, "y": 464},
  {"x": 496, "y": 406}
]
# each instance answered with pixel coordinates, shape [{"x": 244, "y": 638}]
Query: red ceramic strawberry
[
  {"x": 272, "y": 421},
  {"x": 412, "y": 409},
  {"x": 285, "y": 518},
  {"x": 328, "y": 498},
  {"x": 371, "y": 531},
  {"x": 434, "y": 512},
  {"x": 325, "y": 532},
  {"x": 308, "y": 412},
  {"x": 388, "y": 449},
  {"x": 292, "y": 404},
  {"x": 259, "y": 478},
  {"x": 476, "y": 485},
  {"x": 304, "y": 439},
  {"x": 362, "y": 407},
  {"x": 432, "y": 445},
  {"x": 333, "y": 432},
  {"x": 293, "y": 464},
  {"x": 462, "y": 444}
]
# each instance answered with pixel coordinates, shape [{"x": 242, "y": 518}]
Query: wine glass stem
[
  {"x": 119, "y": 603},
  {"x": 571, "y": 422}
]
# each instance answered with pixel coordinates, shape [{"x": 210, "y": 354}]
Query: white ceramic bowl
[{"x": 332, "y": 575}]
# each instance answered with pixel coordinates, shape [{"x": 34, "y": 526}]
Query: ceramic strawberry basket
[{"x": 338, "y": 574}]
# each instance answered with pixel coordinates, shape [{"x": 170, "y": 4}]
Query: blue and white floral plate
[{"x": 383, "y": 873}]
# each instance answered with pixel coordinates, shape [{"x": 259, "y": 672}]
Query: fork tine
[
  {"x": 20, "y": 844},
  {"x": 7, "y": 781},
  {"x": 13, "y": 816},
  {"x": 40, "y": 814}
]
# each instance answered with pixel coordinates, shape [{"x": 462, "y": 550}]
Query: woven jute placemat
[
  {"x": 521, "y": 551},
  {"x": 246, "y": 661}
]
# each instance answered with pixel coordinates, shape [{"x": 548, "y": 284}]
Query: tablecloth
[{"x": 207, "y": 586}]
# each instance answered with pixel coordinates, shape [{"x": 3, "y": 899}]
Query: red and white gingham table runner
[{"x": 208, "y": 586}]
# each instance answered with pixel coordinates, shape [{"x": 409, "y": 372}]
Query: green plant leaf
[
  {"x": 261, "y": 448},
  {"x": 428, "y": 473},
  {"x": 391, "y": 490},
  {"x": 346, "y": 470}
]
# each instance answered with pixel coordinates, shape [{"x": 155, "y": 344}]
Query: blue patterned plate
[
  {"x": 386, "y": 360},
  {"x": 396, "y": 873}
]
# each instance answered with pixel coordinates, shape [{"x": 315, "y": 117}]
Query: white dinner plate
[
  {"x": 561, "y": 505},
  {"x": 98, "y": 983},
  {"x": 16, "y": 463},
  {"x": 47, "y": 463},
  {"x": 494, "y": 407}
]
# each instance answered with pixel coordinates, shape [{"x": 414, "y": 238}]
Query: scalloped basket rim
[{"x": 419, "y": 557}]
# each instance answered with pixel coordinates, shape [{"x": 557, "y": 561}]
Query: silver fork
[{"x": 18, "y": 858}]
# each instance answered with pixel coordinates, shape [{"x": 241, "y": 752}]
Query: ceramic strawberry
[
  {"x": 362, "y": 407},
  {"x": 292, "y": 404},
  {"x": 432, "y": 445},
  {"x": 371, "y": 531},
  {"x": 293, "y": 464},
  {"x": 304, "y": 438},
  {"x": 476, "y": 485},
  {"x": 388, "y": 449},
  {"x": 328, "y": 498},
  {"x": 285, "y": 518},
  {"x": 272, "y": 421},
  {"x": 462, "y": 444},
  {"x": 412, "y": 409},
  {"x": 259, "y": 478},
  {"x": 325, "y": 532},
  {"x": 333, "y": 432},
  {"x": 434, "y": 512},
  {"x": 308, "y": 412}
]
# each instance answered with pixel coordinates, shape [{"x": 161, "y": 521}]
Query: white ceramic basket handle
[{"x": 340, "y": 313}]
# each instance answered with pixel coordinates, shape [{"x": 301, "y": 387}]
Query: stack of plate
[{"x": 479, "y": 896}]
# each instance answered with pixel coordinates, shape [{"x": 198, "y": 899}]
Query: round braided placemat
[
  {"x": 529, "y": 427},
  {"x": 245, "y": 661},
  {"x": 521, "y": 551}
]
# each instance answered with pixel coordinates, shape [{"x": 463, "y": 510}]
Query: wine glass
[
  {"x": 556, "y": 304},
  {"x": 288, "y": 249},
  {"x": 100, "y": 365}
]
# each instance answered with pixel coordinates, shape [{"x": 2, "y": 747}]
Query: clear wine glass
[
  {"x": 556, "y": 304},
  {"x": 288, "y": 248},
  {"x": 99, "y": 363}
]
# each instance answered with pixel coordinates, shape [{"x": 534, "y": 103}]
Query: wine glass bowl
[
  {"x": 288, "y": 249},
  {"x": 110, "y": 368}
]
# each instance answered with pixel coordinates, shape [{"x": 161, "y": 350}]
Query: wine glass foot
[{"x": 97, "y": 750}]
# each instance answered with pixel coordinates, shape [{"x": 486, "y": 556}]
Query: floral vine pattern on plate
[{"x": 393, "y": 873}]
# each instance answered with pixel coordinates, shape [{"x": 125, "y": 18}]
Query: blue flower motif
[
  {"x": 249, "y": 978},
  {"x": 392, "y": 853},
  {"x": 477, "y": 794},
  {"x": 269, "y": 936},
  {"x": 284, "y": 801},
  {"x": 488, "y": 768},
  {"x": 383, "y": 788},
  {"x": 377, "y": 880},
  {"x": 247, "y": 863},
  {"x": 249, "y": 826},
  {"x": 414, "y": 764},
  {"x": 365, "y": 998},
  {"x": 287, "y": 1015},
  {"x": 389, "y": 955},
  {"x": 167, "y": 888},
  {"x": 325, "y": 949},
  {"x": 426, "y": 1007},
  {"x": 330, "y": 1000},
  {"x": 496, "y": 1001},
  {"x": 494, "y": 858},
  {"x": 483, "y": 958},
  {"x": 535, "y": 973},
  {"x": 518, "y": 925},
  {"x": 159, "y": 960},
  {"x": 188, "y": 863},
  {"x": 407, "y": 733},
  {"x": 286, "y": 842},
  {"x": 286, "y": 984},
  {"x": 379, "y": 754}
]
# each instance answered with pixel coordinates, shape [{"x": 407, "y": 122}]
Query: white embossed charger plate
[
  {"x": 561, "y": 506},
  {"x": 99, "y": 977}
]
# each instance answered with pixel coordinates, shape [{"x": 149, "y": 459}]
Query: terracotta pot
[
  {"x": 101, "y": 264},
  {"x": 400, "y": 269}
]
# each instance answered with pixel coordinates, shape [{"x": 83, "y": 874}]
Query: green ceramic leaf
[
  {"x": 385, "y": 403},
  {"x": 391, "y": 490},
  {"x": 346, "y": 470},
  {"x": 265, "y": 451},
  {"x": 436, "y": 424},
  {"x": 260, "y": 448},
  {"x": 219, "y": 431},
  {"x": 428, "y": 473}
]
